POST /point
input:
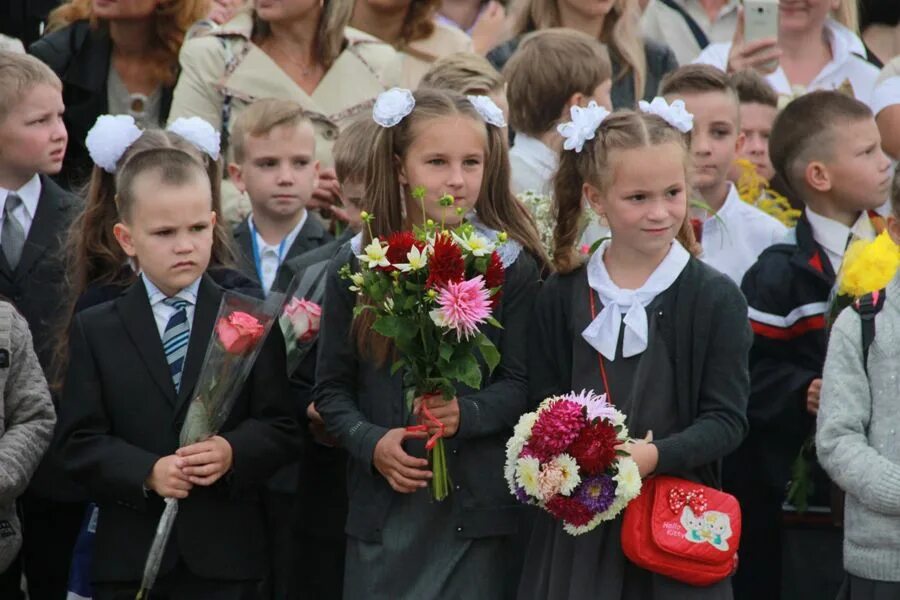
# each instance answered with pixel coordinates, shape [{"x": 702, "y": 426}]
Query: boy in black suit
[
  {"x": 275, "y": 165},
  {"x": 127, "y": 390},
  {"x": 35, "y": 214}
]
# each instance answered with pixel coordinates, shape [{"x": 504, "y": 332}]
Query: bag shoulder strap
[
  {"x": 867, "y": 307},
  {"x": 699, "y": 35}
]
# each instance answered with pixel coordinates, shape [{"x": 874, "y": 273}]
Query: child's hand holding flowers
[
  {"x": 445, "y": 411},
  {"x": 204, "y": 463}
]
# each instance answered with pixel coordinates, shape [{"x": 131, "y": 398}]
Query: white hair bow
[
  {"x": 583, "y": 126},
  {"x": 393, "y": 106},
  {"x": 488, "y": 110},
  {"x": 674, "y": 114}
]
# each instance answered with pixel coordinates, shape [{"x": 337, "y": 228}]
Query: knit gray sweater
[{"x": 857, "y": 441}]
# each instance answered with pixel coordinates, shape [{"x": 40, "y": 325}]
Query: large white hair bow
[
  {"x": 112, "y": 135},
  {"x": 583, "y": 126},
  {"x": 393, "y": 106},
  {"x": 674, "y": 114}
]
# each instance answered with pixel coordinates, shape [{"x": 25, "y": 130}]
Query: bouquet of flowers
[
  {"x": 430, "y": 290},
  {"x": 754, "y": 189},
  {"x": 565, "y": 458},
  {"x": 241, "y": 326},
  {"x": 868, "y": 267}
]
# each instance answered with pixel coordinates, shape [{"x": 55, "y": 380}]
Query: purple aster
[
  {"x": 597, "y": 493},
  {"x": 522, "y": 496}
]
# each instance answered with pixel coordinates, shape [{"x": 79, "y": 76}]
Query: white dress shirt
[
  {"x": 162, "y": 312},
  {"x": 736, "y": 235},
  {"x": 834, "y": 237},
  {"x": 848, "y": 63},
  {"x": 30, "y": 193},
  {"x": 533, "y": 166},
  {"x": 270, "y": 258}
]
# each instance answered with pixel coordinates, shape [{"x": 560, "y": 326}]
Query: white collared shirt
[
  {"x": 834, "y": 237},
  {"x": 533, "y": 165},
  {"x": 162, "y": 312},
  {"x": 735, "y": 236},
  {"x": 887, "y": 93},
  {"x": 847, "y": 64},
  {"x": 666, "y": 26},
  {"x": 30, "y": 193},
  {"x": 269, "y": 258}
]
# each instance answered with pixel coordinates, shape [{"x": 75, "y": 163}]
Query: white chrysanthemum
[
  {"x": 392, "y": 106},
  {"x": 474, "y": 244},
  {"x": 417, "y": 259},
  {"x": 528, "y": 476},
  {"x": 375, "y": 255},
  {"x": 583, "y": 126},
  {"x": 109, "y": 138},
  {"x": 569, "y": 468},
  {"x": 488, "y": 110},
  {"x": 628, "y": 479},
  {"x": 199, "y": 133},
  {"x": 524, "y": 426},
  {"x": 674, "y": 114}
]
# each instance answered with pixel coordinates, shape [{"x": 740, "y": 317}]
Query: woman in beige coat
[{"x": 298, "y": 50}]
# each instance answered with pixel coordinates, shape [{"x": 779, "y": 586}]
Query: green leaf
[
  {"x": 494, "y": 322},
  {"x": 446, "y": 351},
  {"x": 397, "y": 366},
  {"x": 465, "y": 369},
  {"x": 489, "y": 352},
  {"x": 394, "y": 327}
]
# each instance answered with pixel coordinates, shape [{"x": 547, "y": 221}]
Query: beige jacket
[
  {"x": 422, "y": 53},
  {"x": 223, "y": 72}
]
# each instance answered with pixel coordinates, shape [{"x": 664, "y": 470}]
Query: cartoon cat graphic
[{"x": 712, "y": 527}]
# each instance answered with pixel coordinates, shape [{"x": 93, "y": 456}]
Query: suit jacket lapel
[
  {"x": 208, "y": 298},
  {"x": 45, "y": 232},
  {"x": 137, "y": 316},
  {"x": 308, "y": 238},
  {"x": 245, "y": 250}
]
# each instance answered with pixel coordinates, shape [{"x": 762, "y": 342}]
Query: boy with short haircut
[
  {"x": 134, "y": 363},
  {"x": 758, "y": 109},
  {"x": 733, "y": 233},
  {"x": 467, "y": 73},
  {"x": 552, "y": 71},
  {"x": 274, "y": 153},
  {"x": 318, "y": 542},
  {"x": 35, "y": 214},
  {"x": 826, "y": 146}
]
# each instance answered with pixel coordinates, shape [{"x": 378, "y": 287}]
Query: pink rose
[
  {"x": 304, "y": 316},
  {"x": 239, "y": 332}
]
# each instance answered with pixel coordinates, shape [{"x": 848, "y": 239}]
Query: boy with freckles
[{"x": 732, "y": 232}]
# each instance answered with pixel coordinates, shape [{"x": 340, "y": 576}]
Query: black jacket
[
  {"x": 120, "y": 413},
  {"x": 787, "y": 291},
  {"x": 80, "y": 56},
  {"x": 360, "y": 402}
]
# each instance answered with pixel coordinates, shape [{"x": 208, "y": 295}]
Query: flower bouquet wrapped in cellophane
[
  {"x": 430, "y": 290},
  {"x": 241, "y": 327}
]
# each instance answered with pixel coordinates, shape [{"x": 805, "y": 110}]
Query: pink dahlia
[
  {"x": 463, "y": 306},
  {"x": 556, "y": 427}
]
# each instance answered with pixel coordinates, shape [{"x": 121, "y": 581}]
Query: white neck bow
[{"x": 603, "y": 332}]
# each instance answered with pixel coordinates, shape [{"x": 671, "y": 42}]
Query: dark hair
[
  {"x": 751, "y": 88},
  {"x": 622, "y": 130},
  {"x": 498, "y": 208},
  {"x": 804, "y": 131},
  {"x": 547, "y": 69}
]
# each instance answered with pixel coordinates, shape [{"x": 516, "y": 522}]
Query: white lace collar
[{"x": 603, "y": 332}]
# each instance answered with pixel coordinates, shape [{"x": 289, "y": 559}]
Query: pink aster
[
  {"x": 557, "y": 426},
  {"x": 597, "y": 406},
  {"x": 463, "y": 306}
]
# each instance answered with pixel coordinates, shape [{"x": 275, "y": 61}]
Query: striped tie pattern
[{"x": 175, "y": 338}]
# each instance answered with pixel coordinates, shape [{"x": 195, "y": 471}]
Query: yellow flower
[
  {"x": 754, "y": 189},
  {"x": 868, "y": 266}
]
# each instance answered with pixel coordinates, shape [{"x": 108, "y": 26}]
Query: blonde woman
[
  {"x": 638, "y": 65},
  {"x": 299, "y": 50},
  {"x": 114, "y": 57}
]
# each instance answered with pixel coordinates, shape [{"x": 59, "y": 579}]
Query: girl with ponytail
[{"x": 642, "y": 320}]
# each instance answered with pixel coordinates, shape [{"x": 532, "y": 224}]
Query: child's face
[
  {"x": 170, "y": 231},
  {"x": 715, "y": 138},
  {"x": 858, "y": 171},
  {"x": 279, "y": 171},
  {"x": 32, "y": 137},
  {"x": 646, "y": 202},
  {"x": 756, "y": 125},
  {"x": 352, "y": 195},
  {"x": 447, "y": 156}
]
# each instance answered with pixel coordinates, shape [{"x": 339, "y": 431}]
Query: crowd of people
[{"x": 676, "y": 199}]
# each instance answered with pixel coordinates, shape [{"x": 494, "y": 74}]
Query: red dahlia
[
  {"x": 595, "y": 447},
  {"x": 569, "y": 510},
  {"x": 446, "y": 264},
  {"x": 399, "y": 245},
  {"x": 494, "y": 276}
]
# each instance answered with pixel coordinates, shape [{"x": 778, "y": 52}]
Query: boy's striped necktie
[{"x": 175, "y": 338}]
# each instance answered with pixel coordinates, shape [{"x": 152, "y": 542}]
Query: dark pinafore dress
[{"x": 559, "y": 566}]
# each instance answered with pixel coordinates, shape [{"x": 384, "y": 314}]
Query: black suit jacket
[
  {"x": 22, "y": 18},
  {"x": 311, "y": 236},
  {"x": 80, "y": 56},
  {"x": 36, "y": 285},
  {"x": 120, "y": 413}
]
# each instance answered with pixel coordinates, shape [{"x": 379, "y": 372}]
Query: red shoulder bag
[{"x": 681, "y": 529}]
